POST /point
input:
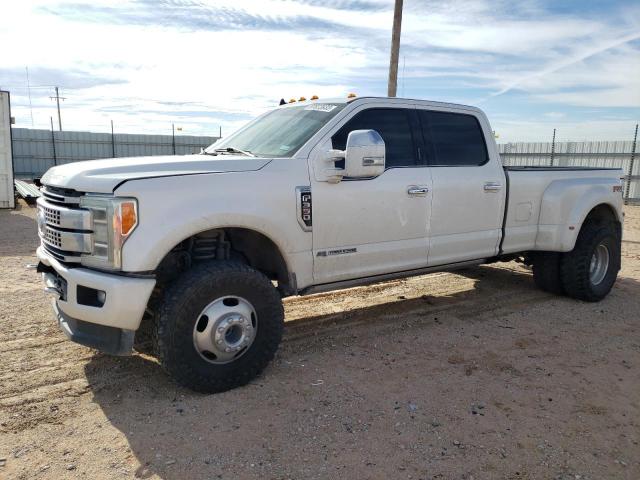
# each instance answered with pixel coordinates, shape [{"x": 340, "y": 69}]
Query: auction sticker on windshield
[{"x": 321, "y": 107}]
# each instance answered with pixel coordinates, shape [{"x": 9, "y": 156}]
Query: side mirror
[{"x": 364, "y": 155}]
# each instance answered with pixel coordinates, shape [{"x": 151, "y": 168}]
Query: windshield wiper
[{"x": 234, "y": 150}]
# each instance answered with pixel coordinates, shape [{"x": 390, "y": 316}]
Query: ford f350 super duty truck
[{"x": 309, "y": 197}]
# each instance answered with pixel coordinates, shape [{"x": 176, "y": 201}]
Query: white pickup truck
[{"x": 310, "y": 196}]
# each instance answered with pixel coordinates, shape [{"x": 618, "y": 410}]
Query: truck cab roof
[{"x": 386, "y": 100}]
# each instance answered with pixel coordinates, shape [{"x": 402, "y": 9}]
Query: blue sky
[{"x": 531, "y": 65}]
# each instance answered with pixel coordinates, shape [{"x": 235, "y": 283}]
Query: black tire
[
  {"x": 575, "y": 265},
  {"x": 546, "y": 272},
  {"x": 183, "y": 302}
]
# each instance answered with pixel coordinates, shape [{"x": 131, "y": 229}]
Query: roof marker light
[
  {"x": 315, "y": 97},
  {"x": 293, "y": 100},
  {"x": 351, "y": 95},
  {"x": 301, "y": 99}
]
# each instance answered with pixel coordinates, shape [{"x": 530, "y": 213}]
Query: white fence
[
  {"x": 35, "y": 151},
  {"x": 615, "y": 154}
]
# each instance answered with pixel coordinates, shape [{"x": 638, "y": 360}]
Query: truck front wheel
[
  {"x": 219, "y": 326},
  {"x": 589, "y": 271}
]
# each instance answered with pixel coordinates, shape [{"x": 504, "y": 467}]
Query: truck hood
[{"x": 103, "y": 176}]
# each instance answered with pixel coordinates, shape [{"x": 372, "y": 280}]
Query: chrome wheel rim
[
  {"x": 599, "y": 264},
  {"x": 225, "y": 329}
]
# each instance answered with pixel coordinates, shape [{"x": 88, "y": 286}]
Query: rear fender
[{"x": 566, "y": 204}]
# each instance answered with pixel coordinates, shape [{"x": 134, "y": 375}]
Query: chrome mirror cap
[{"x": 364, "y": 154}]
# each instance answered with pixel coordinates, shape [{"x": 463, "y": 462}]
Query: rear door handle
[
  {"x": 492, "y": 187},
  {"x": 417, "y": 190}
]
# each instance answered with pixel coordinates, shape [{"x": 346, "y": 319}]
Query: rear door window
[{"x": 457, "y": 139}]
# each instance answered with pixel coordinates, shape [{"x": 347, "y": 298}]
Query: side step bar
[{"x": 358, "y": 282}]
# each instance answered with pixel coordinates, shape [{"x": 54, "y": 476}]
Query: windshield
[{"x": 281, "y": 132}]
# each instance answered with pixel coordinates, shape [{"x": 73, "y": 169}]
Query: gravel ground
[{"x": 447, "y": 376}]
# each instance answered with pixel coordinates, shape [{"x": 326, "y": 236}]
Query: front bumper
[
  {"x": 111, "y": 340},
  {"x": 108, "y": 324}
]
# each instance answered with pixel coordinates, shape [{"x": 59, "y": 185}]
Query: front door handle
[
  {"x": 417, "y": 190},
  {"x": 492, "y": 187}
]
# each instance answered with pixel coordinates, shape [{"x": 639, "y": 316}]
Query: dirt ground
[{"x": 448, "y": 376}]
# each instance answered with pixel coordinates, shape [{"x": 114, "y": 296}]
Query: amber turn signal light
[{"x": 129, "y": 218}]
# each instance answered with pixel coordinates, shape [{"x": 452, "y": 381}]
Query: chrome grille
[
  {"x": 64, "y": 229},
  {"x": 51, "y": 215},
  {"x": 52, "y": 237},
  {"x": 72, "y": 242},
  {"x": 60, "y": 255},
  {"x": 63, "y": 216}
]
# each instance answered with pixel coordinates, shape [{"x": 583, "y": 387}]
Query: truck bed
[{"x": 544, "y": 204}]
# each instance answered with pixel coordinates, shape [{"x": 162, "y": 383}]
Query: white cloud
[
  {"x": 554, "y": 115},
  {"x": 147, "y": 64}
]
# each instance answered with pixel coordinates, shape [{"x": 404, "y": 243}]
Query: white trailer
[{"x": 7, "y": 198}]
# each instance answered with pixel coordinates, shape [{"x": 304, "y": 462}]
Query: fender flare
[{"x": 566, "y": 204}]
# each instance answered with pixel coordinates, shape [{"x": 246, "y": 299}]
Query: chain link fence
[{"x": 607, "y": 154}]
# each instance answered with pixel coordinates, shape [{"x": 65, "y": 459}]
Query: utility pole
[
  {"x": 627, "y": 190},
  {"x": 553, "y": 146},
  {"x": 58, "y": 98},
  {"x": 113, "y": 142},
  {"x": 173, "y": 138},
  {"x": 53, "y": 143},
  {"x": 395, "y": 49}
]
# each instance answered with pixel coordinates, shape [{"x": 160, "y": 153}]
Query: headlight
[{"x": 113, "y": 221}]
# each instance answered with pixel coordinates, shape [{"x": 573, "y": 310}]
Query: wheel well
[
  {"x": 260, "y": 252},
  {"x": 241, "y": 244},
  {"x": 602, "y": 213}
]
